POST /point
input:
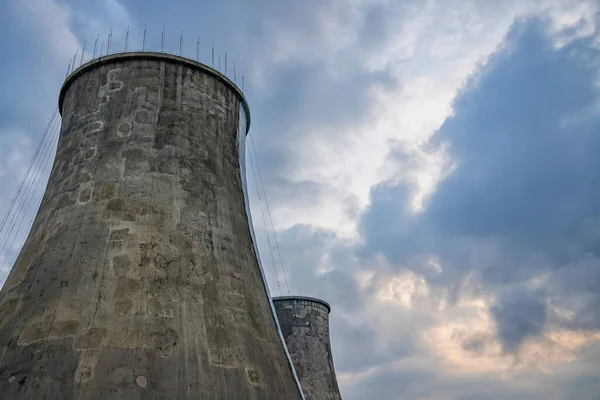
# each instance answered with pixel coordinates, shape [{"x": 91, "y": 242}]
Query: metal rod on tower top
[
  {"x": 181, "y": 44},
  {"x": 234, "y": 79},
  {"x": 144, "y": 41},
  {"x": 198, "y": 49},
  {"x": 74, "y": 59},
  {"x": 212, "y": 61},
  {"x": 219, "y": 63},
  {"x": 127, "y": 39},
  {"x": 242, "y": 83},
  {"x": 69, "y": 68},
  {"x": 102, "y": 49},
  {"x": 162, "y": 39},
  {"x": 82, "y": 52},
  {"x": 109, "y": 39},
  {"x": 95, "y": 47}
]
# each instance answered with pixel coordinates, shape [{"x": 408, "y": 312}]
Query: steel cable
[
  {"x": 27, "y": 183},
  {"x": 28, "y": 171},
  {"x": 30, "y": 192}
]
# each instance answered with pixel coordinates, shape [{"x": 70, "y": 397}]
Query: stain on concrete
[
  {"x": 108, "y": 190},
  {"x": 120, "y": 264},
  {"x": 126, "y": 288},
  {"x": 86, "y": 373},
  {"x": 124, "y": 129},
  {"x": 90, "y": 152},
  {"x": 34, "y": 333},
  {"x": 119, "y": 234},
  {"x": 253, "y": 376},
  {"x": 7, "y": 308},
  {"x": 93, "y": 338},
  {"x": 85, "y": 195},
  {"x": 123, "y": 307},
  {"x": 116, "y": 205}
]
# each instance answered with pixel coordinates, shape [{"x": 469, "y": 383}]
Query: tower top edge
[
  {"x": 303, "y": 298},
  {"x": 156, "y": 56}
]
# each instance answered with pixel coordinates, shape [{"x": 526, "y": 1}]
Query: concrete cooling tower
[
  {"x": 139, "y": 278},
  {"x": 304, "y": 322}
]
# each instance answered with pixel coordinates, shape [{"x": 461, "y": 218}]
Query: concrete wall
[
  {"x": 139, "y": 278},
  {"x": 304, "y": 322}
]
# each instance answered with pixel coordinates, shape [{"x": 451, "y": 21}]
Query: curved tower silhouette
[
  {"x": 139, "y": 278},
  {"x": 304, "y": 322}
]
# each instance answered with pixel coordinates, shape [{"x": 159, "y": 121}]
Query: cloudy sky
[{"x": 431, "y": 167}]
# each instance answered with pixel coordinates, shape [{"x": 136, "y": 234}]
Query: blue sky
[{"x": 431, "y": 168}]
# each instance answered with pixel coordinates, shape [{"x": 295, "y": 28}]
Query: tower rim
[
  {"x": 304, "y": 298},
  {"x": 152, "y": 55}
]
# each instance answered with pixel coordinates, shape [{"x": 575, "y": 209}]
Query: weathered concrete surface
[
  {"x": 139, "y": 279},
  {"x": 304, "y": 322}
]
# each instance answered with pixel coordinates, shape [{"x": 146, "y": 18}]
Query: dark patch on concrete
[
  {"x": 143, "y": 117},
  {"x": 64, "y": 165},
  {"x": 116, "y": 205},
  {"x": 34, "y": 333},
  {"x": 47, "y": 330},
  {"x": 86, "y": 373},
  {"x": 115, "y": 86},
  {"x": 136, "y": 162},
  {"x": 120, "y": 265},
  {"x": 90, "y": 152},
  {"x": 7, "y": 308},
  {"x": 85, "y": 195},
  {"x": 93, "y": 338},
  {"x": 108, "y": 190},
  {"x": 119, "y": 234},
  {"x": 65, "y": 201},
  {"x": 253, "y": 376},
  {"x": 126, "y": 288},
  {"x": 123, "y": 307},
  {"x": 94, "y": 126},
  {"x": 124, "y": 129},
  {"x": 81, "y": 177},
  {"x": 64, "y": 328}
]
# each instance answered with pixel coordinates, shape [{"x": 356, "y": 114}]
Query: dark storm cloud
[
  {"x": 524, "y": 198},
  {"x": 388, "y": 225},
  {"x": 524, "y": 173},
  {"x": 357, "y": 347},
  {"x": 520, "y": 314}
]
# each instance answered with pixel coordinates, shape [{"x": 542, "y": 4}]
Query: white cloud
[{"x": 49, "y": 21}]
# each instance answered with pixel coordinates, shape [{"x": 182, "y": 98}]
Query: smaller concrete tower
[{"x": 304, "y": 322}]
